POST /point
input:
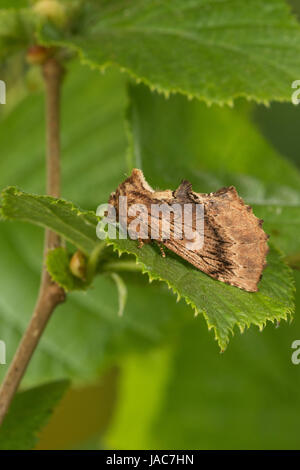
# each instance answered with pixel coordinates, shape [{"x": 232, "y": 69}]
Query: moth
[{"x": 234, "y": 244}]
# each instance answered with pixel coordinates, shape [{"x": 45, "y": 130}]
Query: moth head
[{"x": 135, "y": 183}]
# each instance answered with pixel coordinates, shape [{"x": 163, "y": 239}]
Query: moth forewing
[
  {"x": 138, "y": 221},
  {"x": 166, "y": 221},
  {"x": 193, "y": 224}
]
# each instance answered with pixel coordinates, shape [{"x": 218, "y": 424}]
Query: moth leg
[
  {"x": 161, "y": 247},
  {"x": 141, "y": 243}
]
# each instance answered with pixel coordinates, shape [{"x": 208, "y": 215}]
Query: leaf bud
[{"x": 78, "y": 265}]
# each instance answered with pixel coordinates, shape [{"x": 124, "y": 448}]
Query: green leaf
[
  {"x": 66, "y": 219},
  {"x": 223, "y": 306},
  {"x": 29, "y": 412},
  {"x": 215, "y": 51}
]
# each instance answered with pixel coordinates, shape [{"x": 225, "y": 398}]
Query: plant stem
[{"x": 50, "y": 294}]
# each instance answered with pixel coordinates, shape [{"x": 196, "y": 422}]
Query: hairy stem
[{"x": 50, "y": 294}]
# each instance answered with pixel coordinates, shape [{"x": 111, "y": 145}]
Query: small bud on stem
[{"x": 78, "y": 265}]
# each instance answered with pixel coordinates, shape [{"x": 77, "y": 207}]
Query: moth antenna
[{"x": 161, "y": 247}]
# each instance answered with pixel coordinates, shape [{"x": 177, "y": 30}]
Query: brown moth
[{"x": 235, "y": 245}]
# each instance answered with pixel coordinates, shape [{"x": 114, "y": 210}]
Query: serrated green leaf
[
  {"x": 74, "y": 225},
  {"x": 29, "y": 412},
  {"x": 215, "y": 51},
  {"x": 223, "y": 306}
]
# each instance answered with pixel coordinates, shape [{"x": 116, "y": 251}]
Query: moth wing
[{"x": 235, "y": 245}]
